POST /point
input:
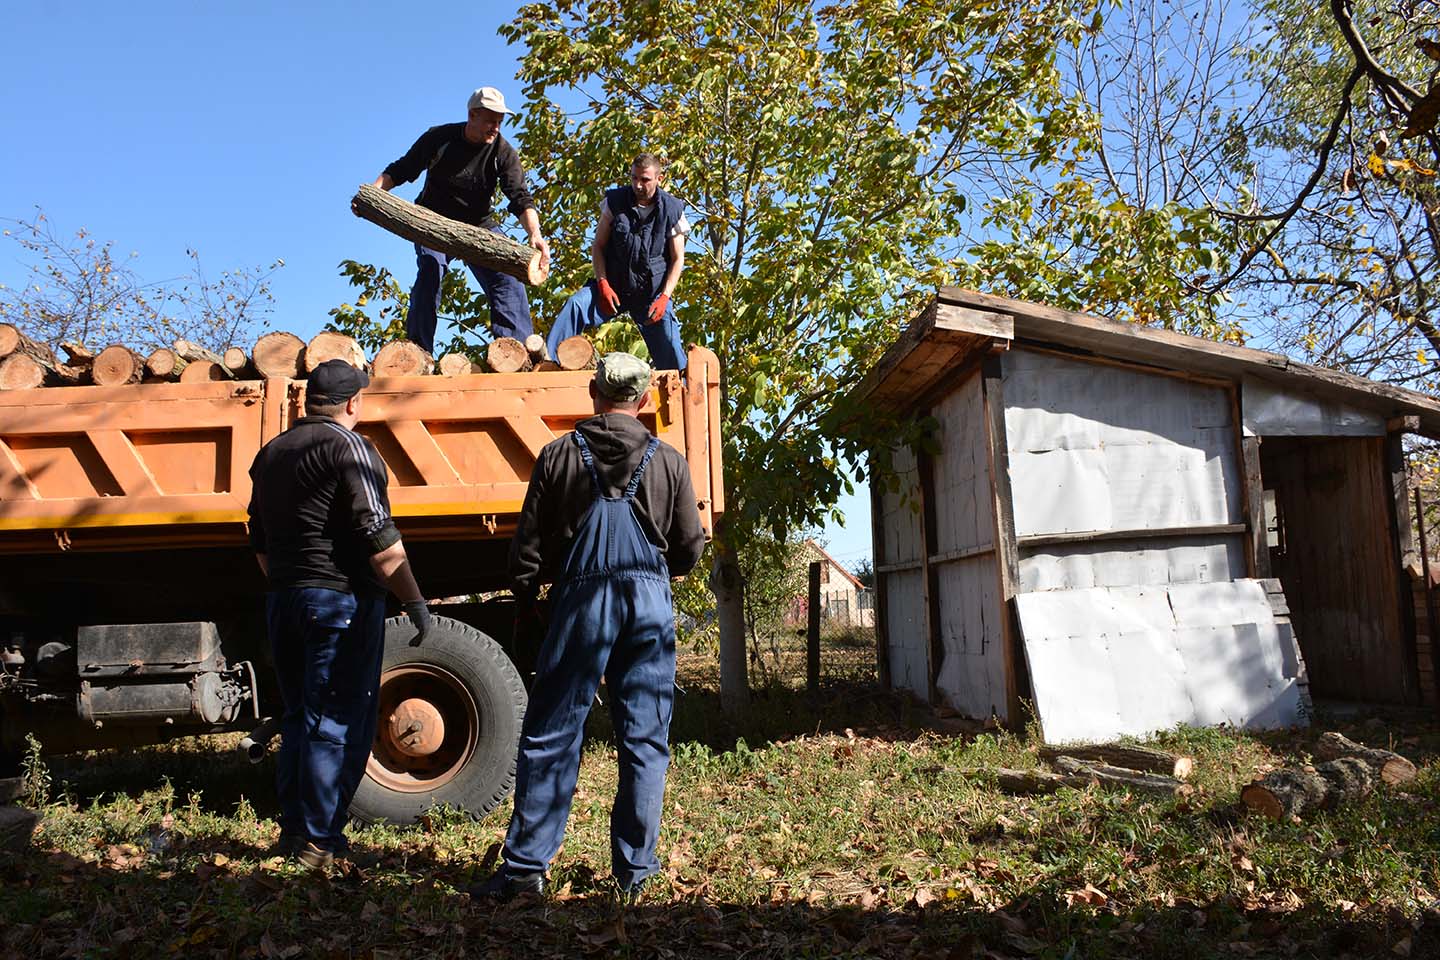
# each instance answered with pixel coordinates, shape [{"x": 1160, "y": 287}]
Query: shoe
[
  {"x": 504, "y": 886},
  {"x": 313, "y": 857},
  {"x": 287, "y": 846}
]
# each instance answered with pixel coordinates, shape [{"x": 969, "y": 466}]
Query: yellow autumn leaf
[{"x": 1376, "y": 165}]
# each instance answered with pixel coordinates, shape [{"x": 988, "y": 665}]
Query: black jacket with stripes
[{"x": 319, "y": 508}]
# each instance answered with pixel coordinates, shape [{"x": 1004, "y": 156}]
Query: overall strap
[
  {"x": 589, "y": 463},
  {"x": 640, "y": 470}
]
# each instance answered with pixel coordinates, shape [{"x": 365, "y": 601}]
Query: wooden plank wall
[
  {"x": 899, "y": 536},
  {"x": 1339, "y": 567}
]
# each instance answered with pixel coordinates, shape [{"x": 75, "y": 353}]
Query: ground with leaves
[{"x": 836, "y": 827}]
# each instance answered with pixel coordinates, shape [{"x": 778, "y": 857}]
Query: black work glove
[{"x": 419, "y": 615}]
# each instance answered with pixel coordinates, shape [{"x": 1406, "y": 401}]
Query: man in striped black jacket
[{"x": 321, "y": 530}]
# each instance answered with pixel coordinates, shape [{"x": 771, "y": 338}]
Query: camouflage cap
[{"x": 622, "y": 377}]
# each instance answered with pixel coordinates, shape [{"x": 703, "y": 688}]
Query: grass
[{"x": 840, "y": 826}]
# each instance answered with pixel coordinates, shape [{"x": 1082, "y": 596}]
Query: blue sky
[{"x": 242, "y": 131}]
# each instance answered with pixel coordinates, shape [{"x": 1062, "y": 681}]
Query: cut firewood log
[
  {"x": 237, "y": 361},
  {"x": 20, "y": 371},
  {"x": 535, "y": 345},
  {"x": 12, "y": 341},
  {"x": 402, "y": 358},
  {"x": 1291, "y": 791},
  {"x": 1118, "y": 776},
  {"x": 430, "y": 229},
  {"x": 575, "y": 353},
  {"x": 279, "y": 354},
  {"x": 329, "y": 345},
  {"x": 77, "y": 355},
  {"x": 545, "y": 366},
  {"x": 507, "y": 355},
  {"x": 196, "y": 353},
  {"x": 457, "y": 365},
  {"x": 116, "y": 366},
  {"x": 1389, "y": 767},
  {"x": 65, "y": 375},
  {"x": 165, "y": 364},
  {"x": 1027, "y": 782},
  {"x": 204, "y": 371},
  {"x": 1124, "y": 755}
]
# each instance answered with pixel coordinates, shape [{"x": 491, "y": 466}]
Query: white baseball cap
[{"x": 490, "y": 98}]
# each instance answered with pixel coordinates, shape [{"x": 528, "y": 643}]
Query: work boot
[
  {"x": 504, "y": 886},
  {"x": 313, "y": 857},
  {"x": 287, "y": 846}
]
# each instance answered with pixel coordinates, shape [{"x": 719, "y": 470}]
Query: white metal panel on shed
[
  {"x": 907, "y": 645},
  {"x": 1099, "y": 448},
  {"x": 964, "y": 511},
  {"x": 1272, "y": 411},
  {"x": 899, "y": 511},
  {"x": 1130, "y": 661},
  {"x": 972, "y": 672},
  {"x": 1194, "y": 559}
]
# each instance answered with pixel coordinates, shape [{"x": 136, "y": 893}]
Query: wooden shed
[{"x": 1130, "y": 528}]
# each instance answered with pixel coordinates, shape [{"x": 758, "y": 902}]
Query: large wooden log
[
  {"x": 1389, "y": 767},
  {"x": 575, "y": 353},
  {"x": 204, "y": 371},
  {"x": 20, "y": 371},
  {"x": 329, "y": 345},
  {"x": 458, "y": 365},
  {"x": 507, "y": 355},
  {"x": 1125, "y": 755},
  {"x": 1118, "y": 776},
  {"x": 402, "y": 358},
  {"x": 430, "y": 229},
  {"x": 1291, "y": 791},
  {"x": 76, "y": 354},
  {"x": 1027, "y": 782},
  {"x": 237, "y": 361},
  {"x": 65, "y": 375},
  {"x": 279, "y": 354},
  {"x": 165, "y": 364},
  {"x": 195, "y": 353},
  {"x": 116, "y": 366},
  {"x": 16, "y": 826},
  {"x": 12, "y": 341}
]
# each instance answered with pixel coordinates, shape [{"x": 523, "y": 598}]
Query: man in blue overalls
[
  {"x": 638, "y": 253},
  {"x": 610, "y": 517}
]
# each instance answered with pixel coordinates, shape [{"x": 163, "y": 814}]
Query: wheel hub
[{"x": 417, "y": 729}]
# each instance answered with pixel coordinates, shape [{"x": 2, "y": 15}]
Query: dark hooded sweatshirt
[{"x": 560, "y": 493}]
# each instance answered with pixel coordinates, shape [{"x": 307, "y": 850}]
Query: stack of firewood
[
  {"x": 27, "y": 363},
  {"x": 1114, "y": 764}
]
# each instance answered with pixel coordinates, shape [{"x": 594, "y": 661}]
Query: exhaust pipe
[{"x": 259, "y": 739}]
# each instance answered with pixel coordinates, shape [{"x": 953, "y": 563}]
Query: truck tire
[{"x": 449, "y": 722}]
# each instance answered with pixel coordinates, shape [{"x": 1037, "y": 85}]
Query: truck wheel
[{"x": 449, "y": 722}]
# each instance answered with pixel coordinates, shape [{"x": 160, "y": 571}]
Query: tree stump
[
  {"x": 507, "y": 355},
  {"x": 279, "y": 354},
  {"x": 329, "y": 345},
  {"x": 430, "y": 229},
  {"x": 457, "y": 365},
  {"x": 116, "y": 366},
  {"x": 1390, "y": 767},
  {"x": 576, "y": 353},
  {"x": 204, "y": 371},
  {"x": 1291, "y": 791},
  {"x": 20, "y": 371},
  {"x": 165, "y": 364},
  {"x": 402, "y": 358},
  {"x": 1124, "y": 755},
  {"x": 236, "y": 361}
]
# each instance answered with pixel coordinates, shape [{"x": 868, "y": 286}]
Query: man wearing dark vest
[
  {"x": 638, "y": 253},
  {"x": 463, "y": 163},
  {"x": 610, "y": 517}
]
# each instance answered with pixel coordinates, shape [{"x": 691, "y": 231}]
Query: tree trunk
[
  {"x": 728, "y": 587},
  {"x": 204, "y": 371},
  {"x": 1293, "y": 790},
  {"x": 1118, "y": 776},
  {"x": 1027, "y": 782},
  {"x": 535, "y": 345},
  {"x": 12, "y": 341},
  {"x": 329, "y": 345},
  {"x": 1389, "y": 767},
  {"x": 457, "y": 365},
  {"x": 117, "y": 365},
  {"x": 507, "y": 355},
  {"x": 279, "y": 354},
  {"x": 430, "y": 229},
  {"x": 166, "y": 364},
  {"x": 20, "y": 371},
  {"x": 575, "y": 353},
  {"x": 402, "y": 358},
  {"x": 1123, "y": 755},
  {"x": 236, "y": 361}
]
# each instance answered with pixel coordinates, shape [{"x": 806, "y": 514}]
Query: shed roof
[{"x": 960, "y": 326}]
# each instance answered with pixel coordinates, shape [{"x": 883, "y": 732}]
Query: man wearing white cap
[{"x": 463, "y": 163}]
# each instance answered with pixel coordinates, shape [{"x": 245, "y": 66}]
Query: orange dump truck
[{"x": 131, "y": 609}]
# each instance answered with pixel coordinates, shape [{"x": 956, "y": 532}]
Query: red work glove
[
  {"x": 609, "y": 299},
  {"x": 657, "y": 309}
]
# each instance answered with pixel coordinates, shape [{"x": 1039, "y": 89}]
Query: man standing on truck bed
[
  {"x": 610, "y": 517},
  {"x": 463, "y": 163},
  {"x": 321, "y": 530},
  {"x": 638, "y": 254}
]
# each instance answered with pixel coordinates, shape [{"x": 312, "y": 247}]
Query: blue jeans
[
  {"x": 327, "y": 647},
  {"x": 509, "y": 304},
  {"x": 582, "y": 311}
]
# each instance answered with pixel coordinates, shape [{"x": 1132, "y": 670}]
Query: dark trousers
[
  {"x": 582, "y": 312},
  {"x": 327, "y": 647},
  {"x": 509, "y": 305}
]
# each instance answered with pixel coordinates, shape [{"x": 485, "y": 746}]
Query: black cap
[{"x": 335, "y": 381}]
